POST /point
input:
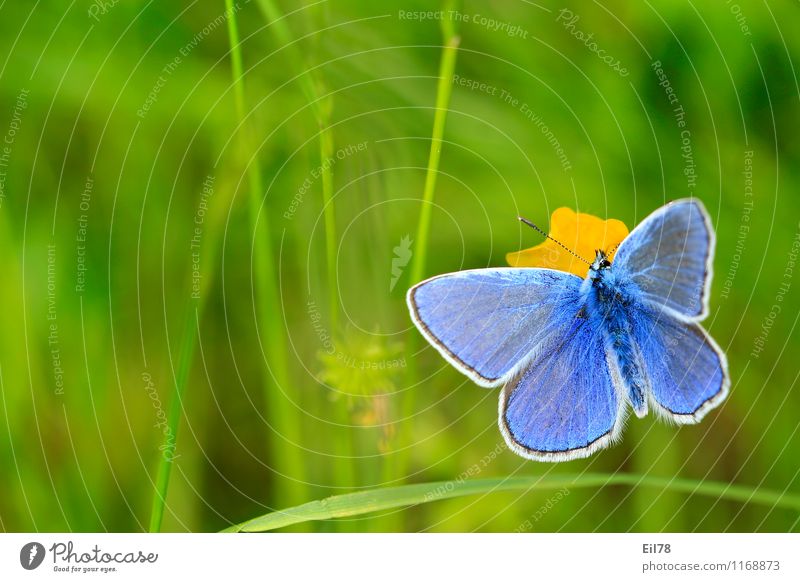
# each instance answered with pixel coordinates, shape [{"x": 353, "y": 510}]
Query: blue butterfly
[{"x": 574, "y": 354}]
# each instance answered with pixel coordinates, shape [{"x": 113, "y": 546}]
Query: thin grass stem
[
  {"x": 444, "y": 88},
  {"x": 343, "y": 470},
  {"x": 321, "y": 107},
  {"x": 282, "y": 414},
  {"x": 188, "y": 342}
]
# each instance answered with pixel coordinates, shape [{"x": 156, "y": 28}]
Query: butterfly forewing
[
  {"x": 487, "y": 322},
  {"x": 669, "y": 256}
]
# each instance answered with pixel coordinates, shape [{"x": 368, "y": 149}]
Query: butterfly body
[
  {"x": 574, "y": 354},
  {"x": 611, "y": 302}
]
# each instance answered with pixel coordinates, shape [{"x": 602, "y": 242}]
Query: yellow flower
[{"x": 582, "y": 233}]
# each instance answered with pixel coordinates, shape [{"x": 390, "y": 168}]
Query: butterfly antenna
[
  {"x": 566, "y": 248},
  {"x": 613, "y": 250}
]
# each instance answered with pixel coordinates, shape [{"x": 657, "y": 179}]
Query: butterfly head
[{"x": 601, "y": 261}]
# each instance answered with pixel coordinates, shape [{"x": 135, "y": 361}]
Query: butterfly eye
[{"x": 605, "y": 264}]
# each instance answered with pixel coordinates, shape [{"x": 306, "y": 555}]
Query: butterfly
[{"x": 575, "y": 354}]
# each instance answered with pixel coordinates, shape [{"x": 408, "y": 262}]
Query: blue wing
[
  {"x": 488, "y": 322},
  {"x": 669, "y": 256},
  {"x": 563, "y": 405},
  {"x": 688, "y": 372}
]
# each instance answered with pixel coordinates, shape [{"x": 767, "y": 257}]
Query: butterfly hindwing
[
  {"x": 668, "y": 255},
  {"x": 487, "y": 322},
  {"x": 563, "y": 405},
  {"x": 688, "y": 372}
]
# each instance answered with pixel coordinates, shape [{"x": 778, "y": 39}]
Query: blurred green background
[{"x": 145, "y": 215}]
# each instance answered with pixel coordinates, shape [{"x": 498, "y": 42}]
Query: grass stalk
[
  {"x": 326, "y": 153},
  {"x": 321, "y": 106},
  {"x": 444, "y": 88},
  {"x": 281, "y": 413},
  {"x": 364, "y": 502},
  {"x": 188, "y": 343}
]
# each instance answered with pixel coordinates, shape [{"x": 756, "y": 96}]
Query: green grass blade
[
  {"x": 281, "y": 31},
  {"x": 363, "y": 502},
  {"x": 282, "y": 414},
  {"x": 326, "y": 153},
  {"x": 445, "y": 87},
  {"x": 321, "y": 107},
  {"x": 188, "y": 342}
]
